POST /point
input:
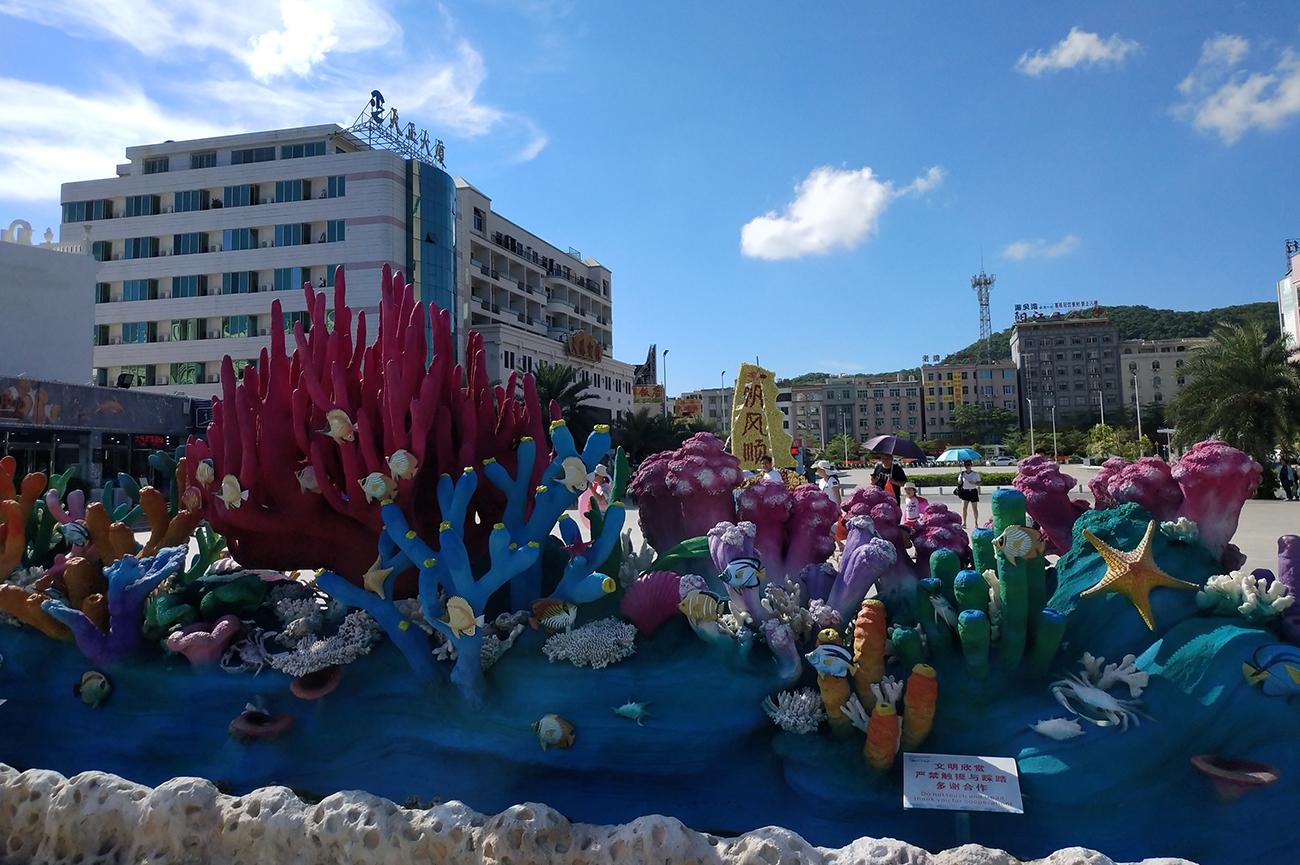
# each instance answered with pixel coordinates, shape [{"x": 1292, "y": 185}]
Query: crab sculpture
[{"x": 1087, "y": 696}]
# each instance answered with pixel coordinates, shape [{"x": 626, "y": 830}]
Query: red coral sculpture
[
  {"x": 1216, "y": 479},
  {"x": 303, "y": 472},
  {"x": 683, "y": 493},
  {"x": 1047, "y": 499}
]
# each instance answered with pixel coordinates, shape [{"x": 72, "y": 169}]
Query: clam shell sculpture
[{"x": 1234, "y": 777}]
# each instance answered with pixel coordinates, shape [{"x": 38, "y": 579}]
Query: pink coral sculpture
[
  {"x": 1047, "y": 499},
  {"x": 1216, "y": 479},
  {"x": 203, "y": 643},
  {"x": 1100, "y": 483},
  {"x": 886, "y": 516},
  {"x": 651, "y": 601},
  {"x": 939, "y": 529},
  {"x": 682, "y": 494},
  {"x": 1148, "y": 482}
]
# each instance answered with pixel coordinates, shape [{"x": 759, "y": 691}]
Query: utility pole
[
  {"x": 1137, "y": 406},
  {"x": 1055, "y": 455},
  {"x": 665, "y": 383},
  {"x": 1031, "y": 424}
]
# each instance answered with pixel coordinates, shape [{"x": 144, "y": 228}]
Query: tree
[
  {"x": 644, "y": 432},
  {"x": 1016, "y": 443},
  {"x": 1106, "y": 441},
  {"x": 1243, "y": 389},
  {"x": 689, "y": 426},
  {"x": 979, "y": 425},
  {"x": 842, "y": 448},
  {"x": 559, "y": 383}
]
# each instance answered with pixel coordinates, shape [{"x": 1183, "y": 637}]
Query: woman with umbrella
[{"x": 889, "y": 475}]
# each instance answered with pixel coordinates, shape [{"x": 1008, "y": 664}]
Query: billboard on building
[
  {"x": 648, "y": 394},
  {"x": 688, "y": 407}
]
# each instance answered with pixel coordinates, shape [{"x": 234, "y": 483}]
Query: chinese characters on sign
[
  {"x": 583, "y": 346},
  {"x": 1028, "y": 311},
  {"x": 416, "y": 141},
  {"x": 757, "y": 424},
  {"x": 688, "y": 407},
  {"x": 647, "y": 394},
  {"x": 953, "y": 782}
]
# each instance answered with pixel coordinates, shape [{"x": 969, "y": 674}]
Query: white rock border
[{"x": 96, "y": 817}]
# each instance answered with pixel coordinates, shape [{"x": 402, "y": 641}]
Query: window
[
  {"x": 1160, "y": 397},
  {"x": 101, "y": 250},
  {"x": 189, "y": 372},
  {"x": 184, "y": 329},
  {"x": 157, "y": 165},
  {"x": 135, "y": 332},
  {"x": 1181, "y": 381},
  {"x": 141, "y": 205},
  {"x": 239, "y": 238},
  {"x": 102, "y": 293},
  {"x": 292, "y": 318},
  {"x": 207, "y": 159},
  {"x": 1155, "y": 381},
  {"x": 193, "y": 199},
  {"x": 893, "y": 406},
  {"x": 895, "y": 392},
  {"x": 101, "y": 377},
  {"x": 293, "y": 190},
  {"x": 189, "y": 286},
  {"x": 1178, "y": 364},
  {"x": 479, "y": 220},
  {"x": 334, "y": 230},
  {"x": 237, "y": 326},
  {"x": 298, "y": 151},
  {"x": 140, "y": 247},
  {"x": 986, "y": 373},
  {"x": 140, "y": 289},
  {"x": 87, "y": 211},
  {"x": 242, "y": 282},
  {"x": 289, "y": 278},
  {"x": 294, "y": 234},
  {"x": 138, "y": 375},
  {"x": 190, "y": 243},
  {"x": 101, "y": 334},
  {"x": 878, "y": 393},
  {"x": 252, "y": 154},
  {"x": 1008, "y": 389},
  {"x": 240, "y": 196},
  {"x": 1008, "y": 404},
  {"x": 336, "y": 186}
]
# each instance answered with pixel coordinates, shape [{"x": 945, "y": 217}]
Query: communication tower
[{"x": 983, "y": 283}]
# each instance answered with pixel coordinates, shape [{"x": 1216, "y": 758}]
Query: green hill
[{"x": 1144, "y": 322}]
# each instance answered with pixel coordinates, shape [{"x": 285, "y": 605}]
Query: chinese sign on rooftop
[
  {"x": 757, "y": 427},
  {"x": 953, "y": 782},
  {"x": 1027, "y": 311}
]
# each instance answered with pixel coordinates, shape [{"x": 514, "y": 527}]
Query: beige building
[
  {"x": 865, "y": 406},
  {"x": 1288, "y": 298},
  {"x": 715, "y": 405},
  {"x": 1154, "y": 368},
  {"x": 948, "y": 386},
  {"x": 806, "y": 416},
  {"x": 536, "y": 302}
]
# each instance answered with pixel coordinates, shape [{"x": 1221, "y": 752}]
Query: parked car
[{"x": 1002, "y": 461}]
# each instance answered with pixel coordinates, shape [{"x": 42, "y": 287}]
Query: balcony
[{"x": 557, "y": 304}]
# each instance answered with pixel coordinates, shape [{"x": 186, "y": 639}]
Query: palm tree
[
  {"x": 644, "y": 432},
  {"x": 1243, "y": 389},
  {"x": 688, "y": 427},
  {"x": 559, "y": 383}
]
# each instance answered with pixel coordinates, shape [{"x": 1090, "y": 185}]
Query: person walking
[
  {"x": 889, "y": 476},
  {"x": 968, "y": 490},
  {"x": 827, "y": 482},
  {"x": 1288, "y": 478}
]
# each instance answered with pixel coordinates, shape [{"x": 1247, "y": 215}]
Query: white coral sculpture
[
  {"x": 1182, "y": 530},
  {"x": 1255, "y": 600},
  {"x": 799, "y": 712},
  {"x": 596, "y": 644}
]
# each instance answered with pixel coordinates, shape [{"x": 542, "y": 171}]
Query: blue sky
[{"x": 813, "y": 184}]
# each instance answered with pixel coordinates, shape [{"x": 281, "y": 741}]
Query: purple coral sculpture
[
  {"x": 682, "y": 494},
  {"x": 1047, "y": 499},
  {"x": 939, "y": 529}
]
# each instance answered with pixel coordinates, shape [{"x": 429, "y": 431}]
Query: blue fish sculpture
[
  {"x": 743, "y": 573},
  {"x": 1275, "y": 669},
  {"x": 829, "y": 659}
]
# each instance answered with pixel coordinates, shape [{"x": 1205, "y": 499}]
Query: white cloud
[
  {"x": 832, "y": 209},
  {"x": 1078, "y": 48},
  {"x": 297, "y": 63},
  {"x": 1221, "y": 99},
  {"x": 1021, "y": 249}
]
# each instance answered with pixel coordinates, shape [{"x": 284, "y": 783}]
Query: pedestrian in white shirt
[
  {"x": 768, "y": 472},
  {"x": 827, "y": 481},
  {"x": 968, "y": 490}
]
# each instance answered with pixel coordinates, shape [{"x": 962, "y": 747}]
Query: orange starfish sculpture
[{"x": 1133, "y": 574}]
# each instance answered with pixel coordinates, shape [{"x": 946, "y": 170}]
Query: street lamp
[
  {"x": 1031, "y": 423},
  {"x": 844, "y": 431},
  {"x": 1137, "y": 406},
  {"x": 1055, "y": 455},
  {"x": 665, "y": 383}
]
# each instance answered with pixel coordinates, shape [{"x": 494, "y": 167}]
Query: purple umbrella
[{"x": 896, "y": 445}]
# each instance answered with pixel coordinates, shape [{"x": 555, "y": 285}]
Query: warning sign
[{"x": 952, "y": 782}]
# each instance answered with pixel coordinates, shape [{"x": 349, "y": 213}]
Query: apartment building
[
  {"x": 1067, "y": 366},
  {"x": 535, "y": 302},
  {"x": 716, "y": 403},
  {"x": 948, "y": 386},
  {"x": 806, "y": 416},
  {"x": 196, "y": 238},
  {"x": 1153, "y": 369},
  {"x": 1288, "y": 298},
  {"x": 865, "y": 406}
]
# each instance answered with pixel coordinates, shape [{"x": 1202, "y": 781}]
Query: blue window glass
[
  {"x": 240, "y": 196},
  {"x": 289, "y": 278},
  {"x": 235, "y": 326},
  {"x": 292, "y": 318},
  {"x": 101, "y": 250},
  {"x": 140, "y": 247},
  {"x": 135, "y": 332},
  {"x": 334, "y": 230},
  {"x": 190, "y": 243},
  {"x": 158, "y": 165},
  {"x": 239, "y": 238},
  {"x": 87, "y": 211},
  {"x": 298, "y": 151},
  {"x": 242, "y": 282},
  {"x": 252, "y": 154},
  {"x": 102, "y": 293},
  {"x": 142, "y": 205},
  {"x": 294, "y": 234},
  {"x": 186, "y": 329},
  {"x": 189, "y": 286},
  {"x": 140, "y": 289},
  {"x": 293, "y": 190},
  {"x": 336, "y": 186},
  {"x": 101, "y": 376},
  {"x": 193, "y": 199},
  {"x": 204, "y": 160}
]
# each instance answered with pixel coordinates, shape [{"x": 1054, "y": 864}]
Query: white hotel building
[{"x": 196, "y": 238}]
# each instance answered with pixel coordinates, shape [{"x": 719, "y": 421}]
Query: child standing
[{"x": 911, "y": 504}]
